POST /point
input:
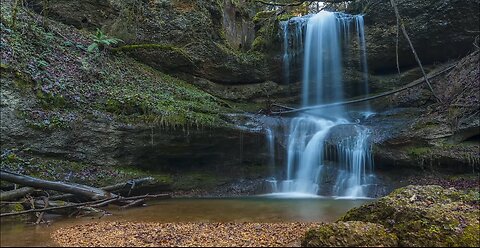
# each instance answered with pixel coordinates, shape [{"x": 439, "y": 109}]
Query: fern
[{"x": 100, "y": 41}]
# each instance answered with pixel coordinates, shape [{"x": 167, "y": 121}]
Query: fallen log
[
  {"x": 15, "y": 194},
  {"x": 410, "y": 85},
  {"x": 113, "y": 188},
  {"x": 76, "y": 189}
]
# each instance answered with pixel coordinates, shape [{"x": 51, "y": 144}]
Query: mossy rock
[
  {"x": 425, "y": 216},
  {"x": 16, "y": 207},
  {"x": 349, "y": 234},
  {"x": 262, "y": 15}
]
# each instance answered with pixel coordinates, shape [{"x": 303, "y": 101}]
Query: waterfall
[
  {"x": 322, "y": 60},
  {"x": 319, "y": 160},
  {"x": 286, "y": 55},
  {"x": 359, "y": 25},
  {"x": 271, "y": 149},
  {"x": 354, "y": 157},
  {"x": 292, "y": 44}
]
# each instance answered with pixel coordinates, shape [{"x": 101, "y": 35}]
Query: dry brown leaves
[{"x": 182, "y": 234}]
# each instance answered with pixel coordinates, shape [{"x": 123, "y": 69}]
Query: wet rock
[
  {"x": 340, "y": 133},
  {"x": 252, "y": 93},
  {"x": 425, "y": 216},
  {"x": 349, "y": 234}
]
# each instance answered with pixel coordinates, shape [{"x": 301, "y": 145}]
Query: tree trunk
[
  {"x": 76, "y": 189},
  {"x": 15, "y": 194},
  {"x": 114, "y": 188}
]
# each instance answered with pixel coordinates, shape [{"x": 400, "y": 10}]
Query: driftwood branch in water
[
  {"x": 53, "y": 208},
  {"x": 76, "y": 189},
  {"x": 404, "y": 31},
  {"x": 40, "y": 216},
  {"x": 410, "y": 85},
  {"x": 15, "y": 194},
  {"x": 135, "y": 203},
  {"x": 132, "y": 201}
]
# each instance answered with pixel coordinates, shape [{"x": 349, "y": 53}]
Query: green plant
[{"x": 100, "y": 41}]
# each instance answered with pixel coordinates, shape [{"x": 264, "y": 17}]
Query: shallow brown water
[{"x": 250, "y": 209}]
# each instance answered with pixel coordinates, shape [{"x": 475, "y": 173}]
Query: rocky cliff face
[
  {"x": 439, "y": 31},
  {"x": 214, "y": 45},
  {"x": 441, "y": 136}
]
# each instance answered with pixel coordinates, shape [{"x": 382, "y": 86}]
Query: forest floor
[{"x": 183, "y": 234}]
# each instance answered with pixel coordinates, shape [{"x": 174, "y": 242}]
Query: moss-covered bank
[{"x": 416, "y": 215}]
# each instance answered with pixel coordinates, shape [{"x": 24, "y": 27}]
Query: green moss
[
  {"x": 165, "y": 47},
  {"x": 349, "y": 234},
  {"x": 419, "y": 151},
  {"x": 12, "y": 157},
  {"x": 259, "y": 44},
  {"x": 266, "y": 36},
  {"x": 128, "y": 105},
  {"x": 470, "y": 237},
  {"x": 425, "y": 125},
  {"x": 262, "y": 15},
  {"x": 163, "y": 100},
  {"x": 76, "y": 172},
  {"x": 135, "y": 172},
  {"x": 51, "y": 100},
  {"x": 17, "y": 207},
  {"x": 285, "y": 17},
  {"x": 22, "y": 84},
  {"x": 4, "y": 66},
  {"x": 111, "y": 82},
  {"x": 423, "y": 216},
  {"x": 196, "y": 180}
]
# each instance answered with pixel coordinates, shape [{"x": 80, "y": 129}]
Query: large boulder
[
  {"x": 88, "y": 14},
  {"x": 439, "y": 30},
  {"x": 425, "y": 216}
]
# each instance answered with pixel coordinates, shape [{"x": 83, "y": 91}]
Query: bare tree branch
[
  {"x": 410, "y": 85},
  {"x": 394, "y": 5},
  {"x": 300, "y": 2}
]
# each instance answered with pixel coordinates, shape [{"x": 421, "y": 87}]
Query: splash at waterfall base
[
  {"x": 324, "y": 158},
  {"x": 318, "y": 161}
]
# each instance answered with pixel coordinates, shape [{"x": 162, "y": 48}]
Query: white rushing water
[
  {"x": 271, "y": 150},
  {"x": 326, "y": 154}
]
